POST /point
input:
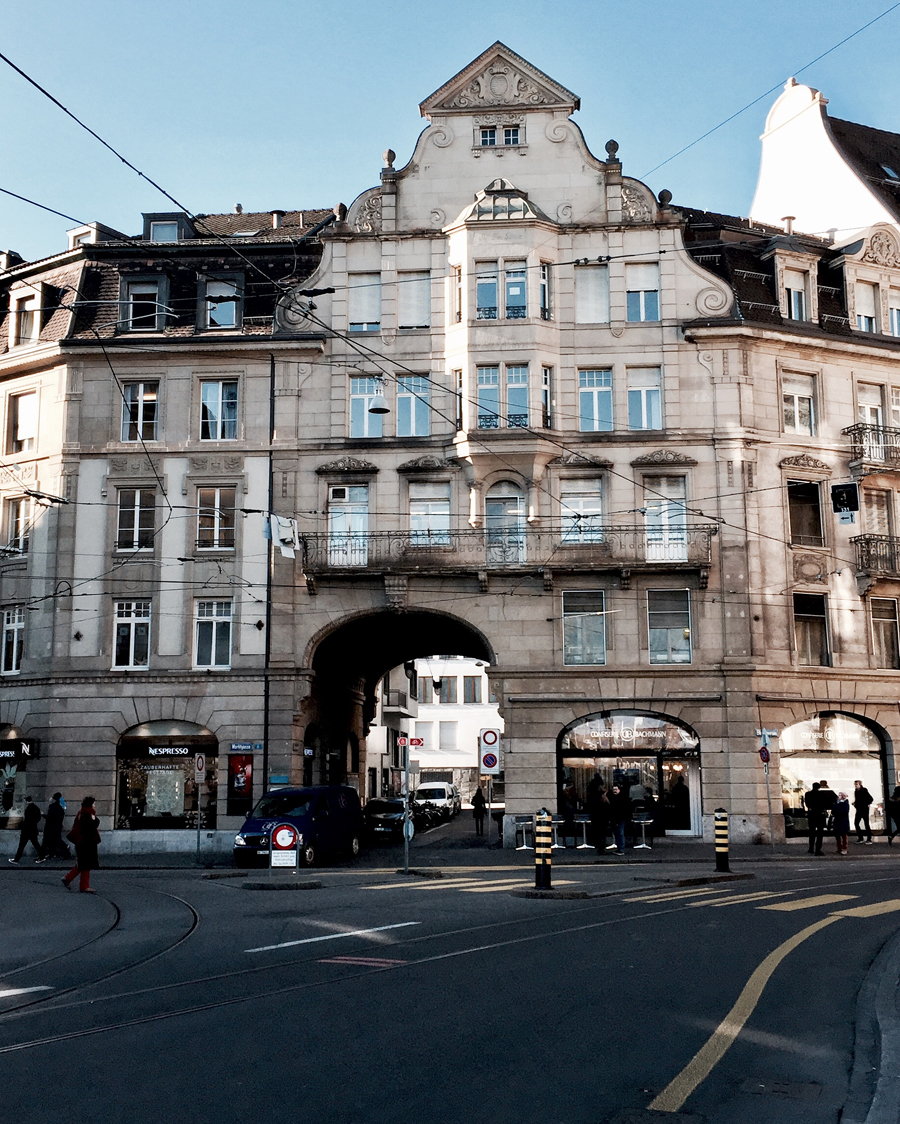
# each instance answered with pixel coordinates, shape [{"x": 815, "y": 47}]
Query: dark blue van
[{"x": 328, "y": 817}]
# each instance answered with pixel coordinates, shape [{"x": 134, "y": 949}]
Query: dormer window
[
  {"x": 501, "y": 200},
  {"x": 163, "y": 231},
  {"x": 221, "y": 304},
  {"x": 795, "y": 287},
  {"x": 889, "y": 172},
  {"x": 488, "y": 138},
  {"x": 866, "y": 305},
  {"x": 142, "y": 306},
  {"x": 25, "y": 322}
]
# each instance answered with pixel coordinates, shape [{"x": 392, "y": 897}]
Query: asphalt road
[{"x": 379, "y": 998}]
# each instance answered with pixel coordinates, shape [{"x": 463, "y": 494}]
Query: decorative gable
[{"x": 499, "y": 78}]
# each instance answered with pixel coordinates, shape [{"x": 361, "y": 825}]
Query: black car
[
  {"x": 384, "y": 818},
  {"x": 327, "y": 817}
]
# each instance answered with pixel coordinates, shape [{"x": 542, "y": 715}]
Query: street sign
[
  {"x": 416, "y": 741},
  {"x": 199, "y": 768},
  {"x": 489, "y": 760},
  {"x": 764, "y": 755},
  {"x": 283, "y": 841},
  {"x": 402, "y": 741},
  {"x": 489, "y": 752},
  {"x": 409, "y": 829}
]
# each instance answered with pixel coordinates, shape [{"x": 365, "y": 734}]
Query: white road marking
[
  {"x": 332, "y": 936},
  {"x": 10, "y": 991}
]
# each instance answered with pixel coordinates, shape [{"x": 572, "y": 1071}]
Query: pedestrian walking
[
  {"x": 619, "y": 812},
  {"x": 479, "y": 806},
  {"x": 85, "y": 834},
  {"x": 54, "y": 847},
  {"x": 841, "y": 822},
  {"x": 31, "y": 817},
  {"x": 568, "y": 809},
  {"x": 893, "y": 814},
  {"x": 814, "y": 817},
  {"x": 597, "y": 808},
  {"x": 862, "y": 800}
]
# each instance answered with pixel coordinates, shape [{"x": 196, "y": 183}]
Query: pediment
[
  {"x": 498, "y": 79},
  {"x": 426, "y": 463},
  {"x": 804, "y": 460},
  {"x": 578, "y": 460},
  {"x": 346, "y": 465},
  {"x": 664, "y": 456}
]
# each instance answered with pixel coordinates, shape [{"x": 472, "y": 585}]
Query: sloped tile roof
[{"x": 870, "y": 152}]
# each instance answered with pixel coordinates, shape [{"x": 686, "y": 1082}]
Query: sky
[{"x": 290, "y": 103}]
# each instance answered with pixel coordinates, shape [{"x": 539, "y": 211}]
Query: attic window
[
  {"x": 889, "y": 172},
  {"x": 245, "y": 233},
  {"x": 163, "y": 231},
  {"x": 501, "y": 200}
]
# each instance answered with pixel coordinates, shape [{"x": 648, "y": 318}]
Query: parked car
[
  {"x": 383, "y": 818},
  {"x": 328, "y": 817},
  {"x": 443, "y": 795}
]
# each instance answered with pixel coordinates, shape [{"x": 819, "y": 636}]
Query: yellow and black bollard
[
  {"x": 543, "y": 843},
  {"x": 721, "y": 826}
]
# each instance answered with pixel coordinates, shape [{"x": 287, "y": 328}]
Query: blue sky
[{"x": 290, "y": 103}]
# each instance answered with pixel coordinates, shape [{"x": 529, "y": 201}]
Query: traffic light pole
[{"x": 406, "y": 820}]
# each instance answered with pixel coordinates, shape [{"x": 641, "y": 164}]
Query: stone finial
[
  {"x": 340, "y": 212},
  {"x": 665, "y": 197},
  {"x": 238, "y": 209},
  {"x": 389, "y": 156},
  {"x": 612, "y": 147}
]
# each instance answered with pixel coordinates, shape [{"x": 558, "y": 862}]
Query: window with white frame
[
  {"x": 878, "y": 515},
  {"x": 641, "y": 292},
  {"x": 472, "y": 689},
  {"x": 212, "y": 634},
  {"x": 811, "y": 629},
  {"x": 894, "y": 311},
  {"x": 591, "y": 294},
  {"x": 895, "y": 407},
  {"x": 517, "y": 397},
  {"x": 866, "y": 306},
  {"x": 669, "y": 625},
  {"x": 13, "y": 640},
  {"x": 221, "y": 307},
  {"x": 511, "y": 135},
  {"x": 142, "y": 306},
  {"x": 19, "y": 519},
  {"x": 547, "y": 397},
  {"x": 544, "y": 290},
  {"x": 460, "y": 391},
  {"x": 140, "y": 402},
  {"x": 488, "y": 397},
  {"x": 219, "y": 410},
  {"x": 413, "y": 406},
  {"x": 581, "y": 507},
  {"x": 885, "y": 635},
  {"x": 457, "y": 293},
  {"x": 165, "y": 231},
  {"x": 644, "y": 398},
  {"x": 425, "y": 731},
  {"x": 362, "y": 394},
  {"x": 348, "y": 524},
  {"x": 665, "y": 518},
  {"x": 25, "y": 320},
  {"x": 516, "y": 290},
  {"x": 798, "y": 397},
  {"x": 23, "y": 419},
  {"x": 131, "y": 647},
  {"x": 364, "y": 301},
  {"x": 869, "y": 409},
  {"x": 595, "y": 401},
  {"x": 796, "y": 282},
  {"x": 215, "y": 518},
  {"x": 429, "y": 513},
  {"x": 584, "y": 627},
  {"x": 487, "y": 289},
  {"x": 488, "y": 137},
  {"x": 414, "y": 300},
  {"x": 136, "y": 523}
]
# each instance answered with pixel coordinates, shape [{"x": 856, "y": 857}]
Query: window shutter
[
  {"x": 865, "y": 299},
  {"x": 592, "y": 294},
  {"x": 877, "y": 502},
  {"x": 868, "y": 394},
  {"x": 448, "y": 736},
  {"x": 795, "y": 279},
  {"x": 801, "y": 385},
  {"x": 642, "y": 276},
  {"x": 26, "y": 417},
  {"x": 365, "y": 298},
  {"x": 414, "y": 300}
]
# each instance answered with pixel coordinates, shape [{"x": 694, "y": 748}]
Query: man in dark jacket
[
  {"x": 54, "y": 848},
  {"x": 862, "y": 800},
  {"x": 827, "y": 801},
  {"x": 813, "y": 806},
  {"x": 31, "y": 817}
]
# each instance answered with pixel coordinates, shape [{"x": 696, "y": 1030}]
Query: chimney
[
  {"x": 277, "y": 219},
  {"x": 788, "y": 221},
  {"x": 238, "y": 209}
]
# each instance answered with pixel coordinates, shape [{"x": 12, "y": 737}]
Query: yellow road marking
[
  {"x": 876, "y": 909},
  {"x": 700, "y": 1066},
  {"x": 429, "y": 885},
  {"x": 675, "y": 895},
  {"x": 740, "y": 899},
  {"x": 810, "y": 903},
  {"x": 493, "y": 887}
]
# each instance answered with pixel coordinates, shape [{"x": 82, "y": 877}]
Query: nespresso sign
[
  {"x": 19, "y": 749},
  {"x": 170, "y": 751}
]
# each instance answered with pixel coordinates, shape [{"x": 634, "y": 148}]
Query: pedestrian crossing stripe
[
  {"x": 466, "y": 885},
  {"x": 810, "y": 903},
  {"x": 741, "y": 899},
  {"x": 674, "y": 895},
  {"x": 495, "y": 887},
  {"x": 876, "y": 909}
]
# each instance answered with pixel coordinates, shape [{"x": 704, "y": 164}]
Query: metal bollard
[
  {"x": 543, "y": 846},
  {"x": 721, "y": 828}
]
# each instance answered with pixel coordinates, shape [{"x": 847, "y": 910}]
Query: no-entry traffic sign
[
  {"x": 199, "y": 768},
  {"x": 283, "y": 841},
  {"x": 489, "y": 752}
]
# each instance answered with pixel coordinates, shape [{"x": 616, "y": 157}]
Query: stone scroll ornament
[
  {"x": 368, "y": 221},
  {"x": 882, "y": 250},
  {"x": 711, "y": 301},
  {"x": 635, "y": 206},
  {"x": 500, "y": 84}
]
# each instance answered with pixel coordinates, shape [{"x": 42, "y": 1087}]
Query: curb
[
  {"x": 281, "y": 885},
  {"x": 564, "y": 895},
  {"x": 706, "y": 880},
  {"x": 876, "y": 1047}
]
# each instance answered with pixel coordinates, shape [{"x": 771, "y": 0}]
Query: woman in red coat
[{"x": 85, "y": 834}]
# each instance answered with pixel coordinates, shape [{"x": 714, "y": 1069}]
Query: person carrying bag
[{"x": 85, "y": 836}]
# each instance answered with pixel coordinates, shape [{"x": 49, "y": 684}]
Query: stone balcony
[
  {"x": 873, "y": 448},
  {"x": 878, "y": 554},
  {"x": 618, "y": 548}
]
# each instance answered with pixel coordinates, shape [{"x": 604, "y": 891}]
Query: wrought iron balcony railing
[
  {"x": 878, "y": 554},
  {"x": 874, "y": 444},
  {"x": 563, "y": 548}
]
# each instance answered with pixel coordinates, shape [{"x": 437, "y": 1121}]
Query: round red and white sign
[
  {"x": 284, "y": 837},
  {"x": 489, "y": 760},
  {"x": 489, "y": 737}
]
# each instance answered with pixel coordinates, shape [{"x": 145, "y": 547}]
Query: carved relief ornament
[
  {"x": 804, "y": 460},
  {"x": 575, "y": 459},
  {"x": 346, "y": 464},
  {"x": 635, "y": 206},
  {"x": 664, "y": 456},
  {"x": 500, "y": 84},
  {"x": 882, "y": 250},
  {"x": 368, "y": 220},
  {"x": 425, "y": 463}
]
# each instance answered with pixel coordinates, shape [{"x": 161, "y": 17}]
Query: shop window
[
  {"x": 811, "y": 630},
  {"x": 222, "y": 303},
  {"x": 23, "y": 419},
  {"x": 414, "y": 300},
  {"x": 429, "y": 513},
  {"x": 240, "y": 784},
  {"x": 544, "y": 291},
  {"x": 885, "y": 635},
  {"x": 866, "y": 306},
  {"x": 136, "y": 519},
  {"x": 413, "y": 406},
  {"x": 581, "y": 506},
  {"x": 212, "y": 634},
  {"x": 448, "y": 689},
  {"x": 215, "y": 518},
  {"x": 669, "y": 625},
  {"x": 591, "y": 294},
  {"x": 471, "y": 688},
  {"x": 157, "y": 790},
  {"x": 516, "y": 291},
  {"x": 219, "y": 410},
  {"x": 13, "y": 640},
  {"x": 364, "y": 300},
  {"x": 644, "y": 398},
  {"x": 595, "y": 402},
  {"x": 348, "y": 525},
  {"x": 132, "y": 635},
  {"x": 584, "y": 627},
  {"x": 140, "y": 401},
  {"x": 19, "y": 520},
  {"x": 362, "y": 423},
  {"x": 641, "y": 292},
  {"x": 796, "y": 282},
  {"x": 448, "y": 733},
  {"x": 798, "y": 395},
  {"x": 487, "y": 287},
  {"x": 805, "y": 511}
]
